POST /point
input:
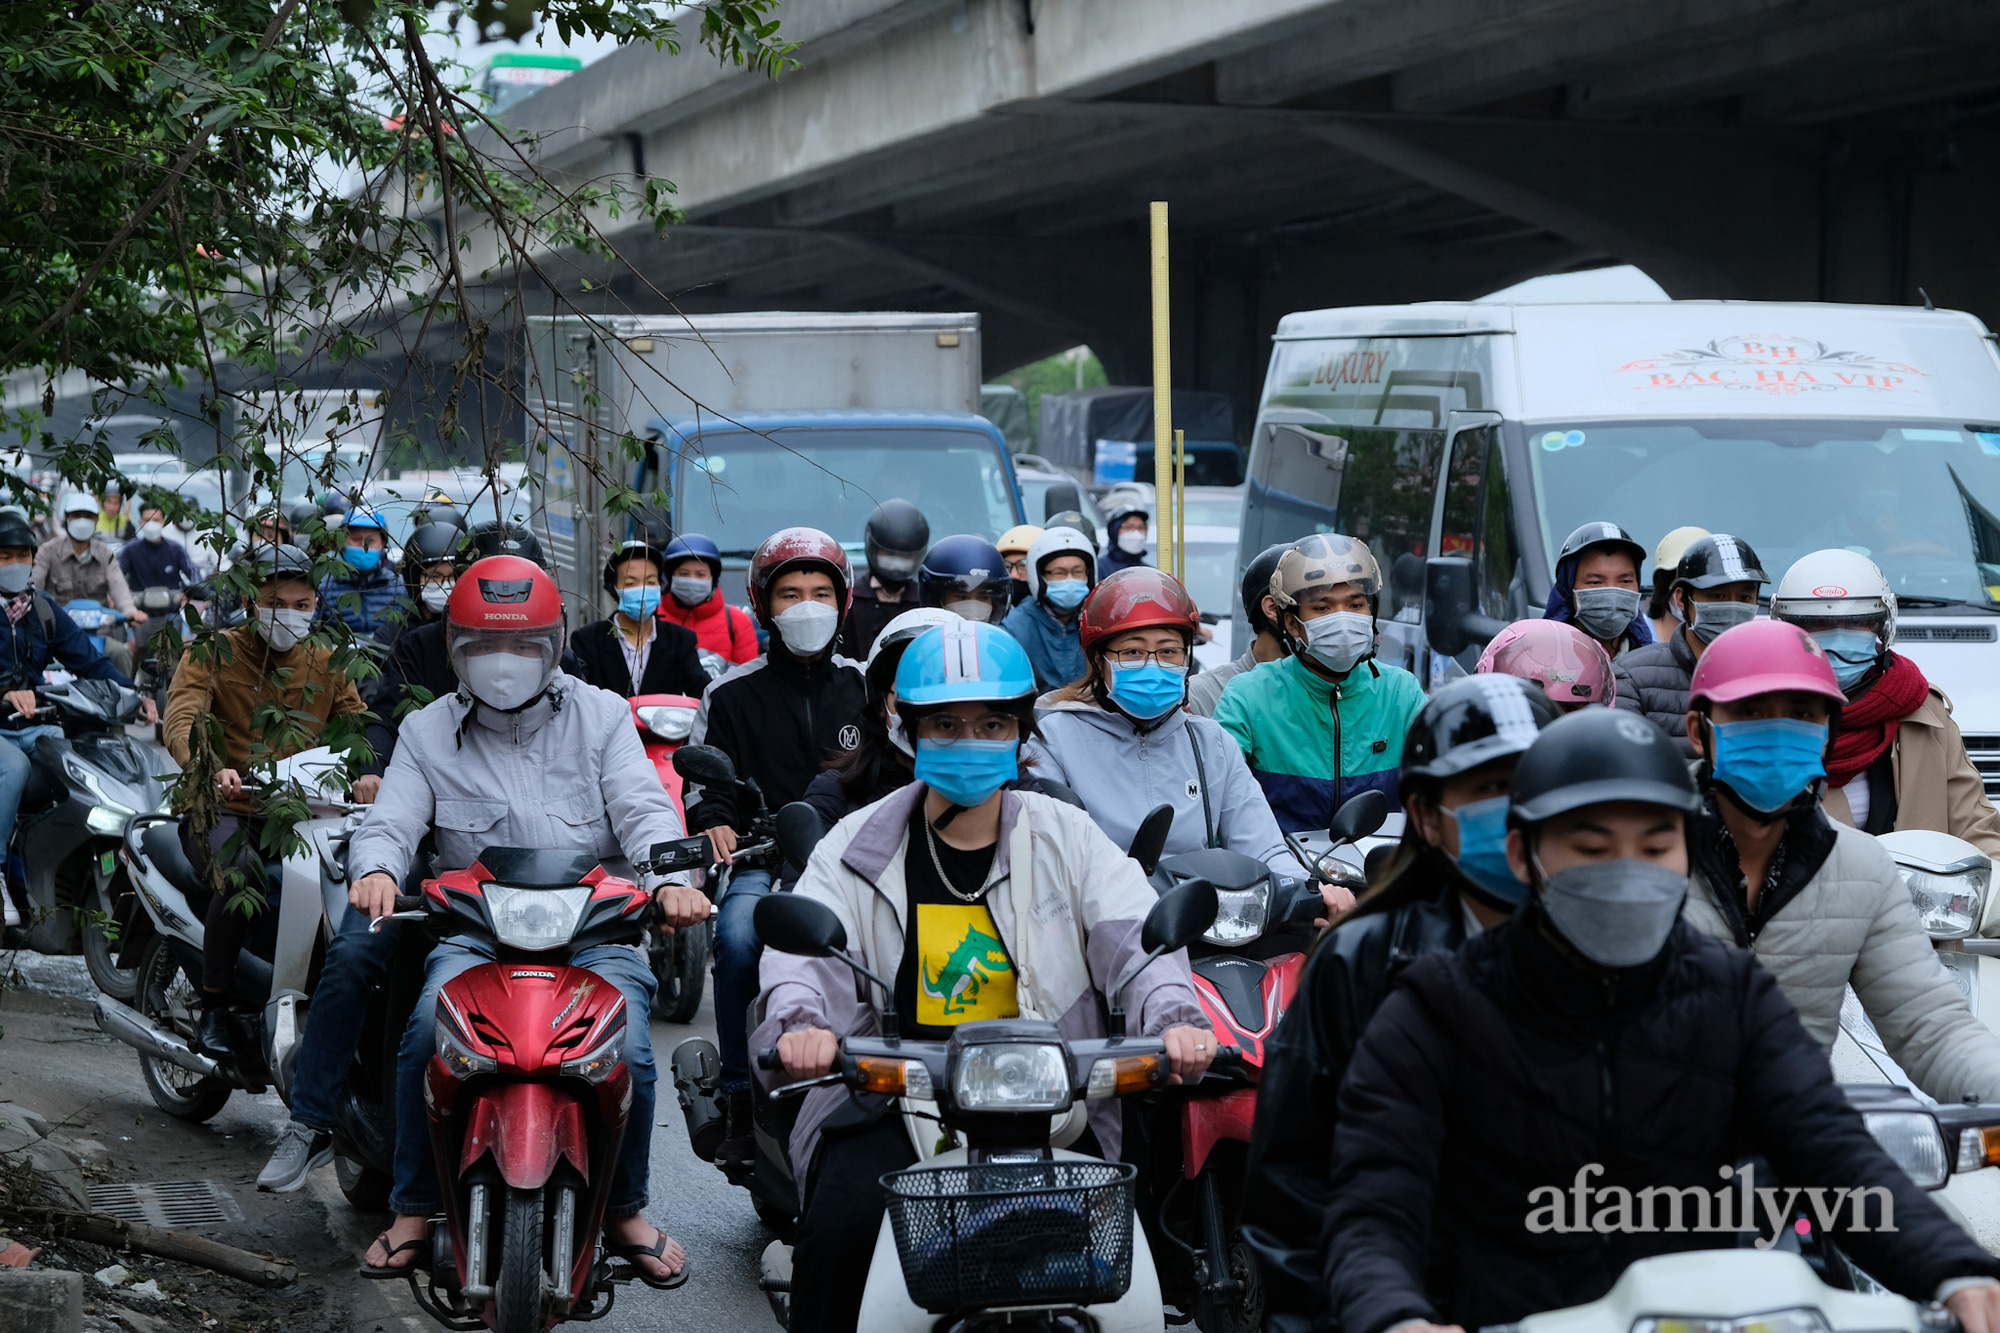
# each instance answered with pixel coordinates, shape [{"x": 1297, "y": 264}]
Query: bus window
[
  {"x": 1479, "y": 522},
  {"x": 1374, "y": 483}
]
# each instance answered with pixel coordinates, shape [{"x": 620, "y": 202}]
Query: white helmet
[
  {"x": 1833, "y": 587},
  {"x": 1060, "y": 541},
  {"x": 905, "y": 627},
  {"x": 79, "y": 502}
]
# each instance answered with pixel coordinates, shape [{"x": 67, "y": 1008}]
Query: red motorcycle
[
  {"x": 679, "y": 960},
  {"x": 1246, "y": 970},
  {"x": 529, "y": 1090}
]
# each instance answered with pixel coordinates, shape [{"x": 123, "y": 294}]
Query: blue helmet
[
  {"x": 964, "y": 660},
  {"x": 961, "y": 565},
  {"x": 366, "y": 518},
  {"x": 694, "y": 546}
]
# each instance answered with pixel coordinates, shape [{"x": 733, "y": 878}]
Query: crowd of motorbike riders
[{"x": 1633, "y": 883}]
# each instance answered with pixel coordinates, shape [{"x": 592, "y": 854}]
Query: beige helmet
[
  {"x": 1672, "y": 546},
  {"x": 1017, "y": 540},
  {"x": 1322, "y": 561}
]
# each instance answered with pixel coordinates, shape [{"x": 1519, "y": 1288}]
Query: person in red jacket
[{"x": 694, "y": 601}]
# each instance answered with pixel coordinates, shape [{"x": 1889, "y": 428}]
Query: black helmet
[
  {"x": 489, "y": 538},
  {"x": 960, "y": 565},
  {"x": 1257, "y": 586},
  {"x": 269, "y": 563},
  {"x": 1711, "y": 562},
  {"x": 15, "y": 530},
  {"x": 443, "y": 512},
  {"x": 1602, "y": 534},
  {"x": 895, "y": 539},
  {"x": 1072, "y": 518},
  {"x": 1474, "y": 721},
  {"x": 1597, "y": 755},
  {"x": 428, "y": 544},
  {"x": 296, "y": 516},
  {"x": 627, "y": 552}
]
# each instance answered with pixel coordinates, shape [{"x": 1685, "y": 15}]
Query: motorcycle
[
  {"x": 84, "y": 787},
  {"x": 1002, "y": 1227},
  {"x": 528, "y": 1092},
  {"x": 679, "y": 960},
  {"x": 1246, "y": 970}
]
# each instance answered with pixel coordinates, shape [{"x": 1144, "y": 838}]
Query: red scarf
[{"x": 1868, "y": 724}]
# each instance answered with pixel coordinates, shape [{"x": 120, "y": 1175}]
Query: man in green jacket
[{"x": 1328, "y": 720}]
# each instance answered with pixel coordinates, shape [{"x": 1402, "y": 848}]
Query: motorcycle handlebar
[
  {"x": 767, "y": 1059},
  {"x": 410, "y": 902},
  {"x": 1227, "y": 1057}
]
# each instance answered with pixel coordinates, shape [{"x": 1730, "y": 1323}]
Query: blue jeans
[
  {"x": 416, "y": 1193},
  {"x": 15, "y": 766},
  {"x": 355, "y": 961},
  {"x": 737, "y": 950}
]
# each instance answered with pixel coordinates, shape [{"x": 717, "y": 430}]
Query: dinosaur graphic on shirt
[{"x": 970, "y": 965}]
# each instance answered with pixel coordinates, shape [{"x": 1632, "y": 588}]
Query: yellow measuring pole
[
  {"x": 1180, "y": 505},
  {"x": 1163, "y": 410}
]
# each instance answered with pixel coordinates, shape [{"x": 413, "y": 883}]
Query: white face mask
[
  {"x": 283, "y": 628},
  {"x": 979, "y": 611},
  {"x": 155, "y": 531},
  {"x": 691, "y": 591},
  {"x": 807, "y": 627},
  {"x": 504, "y": 680},
  {"x": 434, "y": 596},
  {"x": 81, "y": 529},
  {"x": 898, "y": 737},
  {"x": 1340, "y": 640},
  {"x": 1132, "y": 543}
]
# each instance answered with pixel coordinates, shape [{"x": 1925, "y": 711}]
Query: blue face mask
[
  {"x": 1066, "y": 594},
  {"x": 1850, "y": 652},
  {"x": 638, "y": 603},
  {"x": 363, "y": 558},
  {"x": 1148, "y": 690},
  {"x": 1769, "y": 762},
  {"x": 1482, "y": 849},
  {"x": 967, "y": 772}
]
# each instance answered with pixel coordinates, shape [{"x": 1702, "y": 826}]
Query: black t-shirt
[{"x": 955, "y": 966}]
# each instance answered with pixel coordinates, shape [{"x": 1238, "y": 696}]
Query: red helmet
[
  {"x": 504, "y": 603},
  {"x": 1568, "y": 665},
  {"x": 798, "y": 548},
  {"x": 1761, "y": 657},
  {"x": 1137, "y": 598}
]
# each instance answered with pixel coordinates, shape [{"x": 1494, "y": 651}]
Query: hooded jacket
[
  {"x": 1927, "y": 781},
  {"x": 1637, "y": 634},
  {"x": 778, "y": 719},
  {"x": 1054, "y": 649},
  {"x": 1114, "y": 557},
  {"x": 365, "y": 601},
  {"x": 1655, "y": 680},
  {"x": 1068, "y": 906},
  {"x": 1494, "y": 1077},
  {"x": 568, "y": 771},
  {"x": 1841, "y": 916},
  {"x": 1186, "y": 762},
  {"x": 1311, "y": 743},
  {"x": 718, "y": 627}
]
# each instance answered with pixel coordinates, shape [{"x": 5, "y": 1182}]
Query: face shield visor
[{"x": 504, "y": 669}]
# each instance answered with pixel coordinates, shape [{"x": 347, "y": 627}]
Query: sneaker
[
  {"x": 739, "y": 1141},
  {"x": 211, "y": 1035},
  {"x": 300, "y": 1149}
]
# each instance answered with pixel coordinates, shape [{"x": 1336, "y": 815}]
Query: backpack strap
[{"x": 45, "y": 611}]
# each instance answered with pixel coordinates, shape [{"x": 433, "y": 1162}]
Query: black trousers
[
  {"x": 223, "y": 930},
  {"x": 843, "y": 1212}
]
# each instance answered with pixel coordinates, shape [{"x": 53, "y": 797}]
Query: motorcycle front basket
[{"x": 1013, "y": 1233}]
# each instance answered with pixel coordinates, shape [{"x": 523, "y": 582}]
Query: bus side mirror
[{"x": 1452, "y": 619}]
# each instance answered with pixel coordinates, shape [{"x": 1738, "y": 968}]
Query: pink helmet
[
  {"x": 1569, "y": 665},
  {"x": 1762, "y": 657}
]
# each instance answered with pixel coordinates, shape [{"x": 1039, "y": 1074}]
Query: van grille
[
  {"x": 1944, "y": 634},
  {"x": 1985, "y": 752}
]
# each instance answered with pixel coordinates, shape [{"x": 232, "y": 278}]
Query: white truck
[
  {"x": 753, "y": 422},
  {"x": 1463, "y": 442}
]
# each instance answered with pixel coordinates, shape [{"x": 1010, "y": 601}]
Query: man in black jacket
[
  {"x": 778, "y": 717},
  {"x": 1449, "y": 878},
  {"x": 1715, "y": 587},
  {"x": 1569, "y": 1091}
]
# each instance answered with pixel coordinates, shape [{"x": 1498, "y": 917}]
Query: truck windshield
[
  {"x": 738, "y": 488},
  {"x": 1921, "y": 499}
]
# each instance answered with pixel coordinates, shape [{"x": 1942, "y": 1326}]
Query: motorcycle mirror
[
  {"x": 1151, "y": 840},
  {"x": 1359, "y": 816},
  {"x": 799, "y": 830},
  {"x": 1180, "y": 917},
  {"x": 704, "y": 764},
  {"x": 791, "y": 924}
]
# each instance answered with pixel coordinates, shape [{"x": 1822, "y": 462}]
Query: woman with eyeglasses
[{"x": 1122, "y": 739}]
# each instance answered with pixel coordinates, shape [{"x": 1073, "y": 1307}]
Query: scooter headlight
[
  {"x": 1913, "y": 1142},
  {"x": 1798, "y": 1319},
  {"x": 1240, "y": 915},
  {"x": 1948, "y": 902},
  {"x": 598, "y": 1064},
  {"x": 1012, "y": 1076},
  {"x": 460, "y": 1060},
  {"x": 535, "y": 918},
  {"x": 670, "y": 722},
  {"x": 115, "y": 803}
]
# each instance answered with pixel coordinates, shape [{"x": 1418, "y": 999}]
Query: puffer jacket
[
  {"x": 718, "y": 627},
  {"x": 1496, "y": 1076},
  {"x": 1122, "y": 773},
  {"x": 1071, "y": 925},
  {"x": 1840, "y": 916},
  {"x": 1053, "y": 647},
  {"x": 1287, "y": 1178},
  {"x": 364, "y": 602},
  {"x": 1932, "y": 785},
  {"x": 567, "y": 772},
  {"x": 1654, "y": 680}
]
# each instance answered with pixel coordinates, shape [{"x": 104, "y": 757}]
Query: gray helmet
[
  {"x": 1323, "y": 560},
  {"x": 270, "y": 563}
]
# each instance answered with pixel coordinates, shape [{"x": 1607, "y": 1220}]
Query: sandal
[
  {"x": 631, "y": 1254},
  {"x": 392, "y": 1270}
]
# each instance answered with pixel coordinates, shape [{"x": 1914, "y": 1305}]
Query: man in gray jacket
[{"x": 522, "y": 756}]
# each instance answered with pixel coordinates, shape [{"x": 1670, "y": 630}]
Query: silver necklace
[{"x": 937, "y": 864}]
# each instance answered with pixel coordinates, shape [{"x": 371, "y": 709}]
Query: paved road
[{"x": 53, "y": 1060}]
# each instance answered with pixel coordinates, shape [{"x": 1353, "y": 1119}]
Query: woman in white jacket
[
  {"x": 1820, "y": 904},
  {"x": 981, "y": 903}
]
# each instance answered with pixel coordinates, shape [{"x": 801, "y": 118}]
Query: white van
[{"x": 1464, "y": 442}]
